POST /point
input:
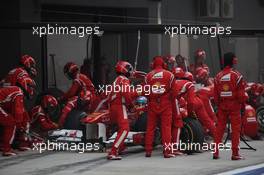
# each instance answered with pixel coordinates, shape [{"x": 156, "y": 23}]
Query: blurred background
[{"x": 98, "y": 54}]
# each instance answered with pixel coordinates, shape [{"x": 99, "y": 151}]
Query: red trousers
[
  {"x": 177, "y": 122},
  {"x": 21, "y": 137},
  {"x": 203, "y": 117},
  {"x": 235, "y": 120},
  {"x": 8, "y": 125},
  {"x": 118, "y": 115},
  {"x": 165, "y": 119},
  {"x": 176, "y": 132}
]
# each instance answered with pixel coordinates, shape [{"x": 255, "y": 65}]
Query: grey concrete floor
[{"x": 134, "y": 162}]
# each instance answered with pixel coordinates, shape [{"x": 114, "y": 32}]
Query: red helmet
[
  {"x": 27, "y": 85},
  {"x": 158, "y": 61},
  {"x": 178, "y": 72},
  {"x": 85, "y": 95},
  {"x": 201, "y": 73},
  {"x": 170, "y": 61},
  {"x": 257, "y": 89},
  {"x": 188, "y": 76},
  {"x": 49, "y": 101},
  {"x": 124, "y": 67},
  {"x": 29, "y": 64},
  {"x": 49, "y": 104},
  {"x": 70, "y": 70}
]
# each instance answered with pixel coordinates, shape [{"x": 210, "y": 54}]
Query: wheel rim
[{"x": 260, "y": 118}]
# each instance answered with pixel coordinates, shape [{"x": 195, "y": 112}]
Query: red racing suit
[
  {"x": 80, "y": 83},
  {"x": 177, "y": 122},
  {"x": 120, "y": 100},
  {"x": 229, "y": 96},
  {"x": 11, "y": 80},
  {"x": 11, "y": 113},
  {"x": 40, "y": 121},
  {"x": 206, "y": 94},
  {"x": 185, "y": 88},
  {"x": 159, "y": 107},
  {"x": 13, "y": 76},
  {"x": 82, "y": 90}
]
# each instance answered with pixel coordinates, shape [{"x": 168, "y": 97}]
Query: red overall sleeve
[
  {"x": 216, "y": 93},
  {"x": 128, "y": 94},
  {"x": 191, "y": 98},
  {"x": 72, "y": 91},
  {"x": 241, "y": 91},
  {"x": 46, "y": 124}
]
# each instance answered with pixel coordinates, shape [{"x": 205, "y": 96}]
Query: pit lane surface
[{"x": 134, "y": 162}]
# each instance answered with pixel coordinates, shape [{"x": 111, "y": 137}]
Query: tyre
[
  {"x": 260, "y": 118},
  {"x": 192, "y": 134}
]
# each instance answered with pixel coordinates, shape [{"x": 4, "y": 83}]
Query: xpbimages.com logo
[
  {"x": 181, "y": 146},
  {"x": 54, "y": 29},
  {"x": 211, "y": 31},
  {"x": 63, "y": 146},
  {"x": 147, "y": 89}
]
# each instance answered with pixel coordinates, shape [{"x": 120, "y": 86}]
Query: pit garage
[{"x": 95, "y": 35}]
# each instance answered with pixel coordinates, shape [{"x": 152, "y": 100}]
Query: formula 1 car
[{"x": 96, "y": 126}]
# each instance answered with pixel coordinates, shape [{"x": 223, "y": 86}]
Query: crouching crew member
[
  {"x": 27, "y": 68},
  {"x": 41, "y": 116},
  {"x": 11, "y": 115}
]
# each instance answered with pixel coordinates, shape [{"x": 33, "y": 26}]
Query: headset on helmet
[
  {"x": 188, "y": 76},
  {"x": 170, "y": 61},
  {"x": 27, "y": 85},
  {"x": 178, "y": 72},
  {"x": 49, "y": 104},
  {"x": 201, "y": 73},
  {"x": 49, "y": 101},
  {"x": 70, "y": 70},
  {"x": 29, "y": 64},
  {"x": 158, "y": 61},
  {"x": 124, "y": 67}
]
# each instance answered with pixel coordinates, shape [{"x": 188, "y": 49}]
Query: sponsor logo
[
  {"x": 158, "y": 88},
  {"x": 226, "y": 77},
  {"x": 158, "y": 75},
  {"x": 225, "y": 87}
]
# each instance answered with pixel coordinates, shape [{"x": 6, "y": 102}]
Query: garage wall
[
  {"x": 13, "y": 42},
  {"x": 186, "y": 12},
  {"x": 246, "y": 50},
  {"x": 66, "y": 48},
  {"x": 9, "y": 39}
]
